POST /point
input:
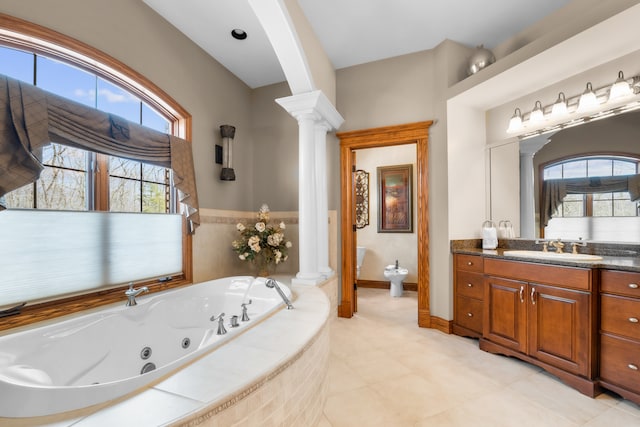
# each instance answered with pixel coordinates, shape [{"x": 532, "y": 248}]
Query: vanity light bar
[{"x": 620, "y": 97}]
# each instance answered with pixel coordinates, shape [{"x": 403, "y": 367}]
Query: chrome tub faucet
[
  {"x": 132, "y": 293},
  {"x": 273, "y": 284},
  {"x": 220, "y": 318},
  {"x": 245, "y": 315}
]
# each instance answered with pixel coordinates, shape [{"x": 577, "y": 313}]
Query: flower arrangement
[{"x": 262, "y": 243}]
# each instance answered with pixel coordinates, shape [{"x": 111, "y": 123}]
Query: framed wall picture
[
  {"x": 395, "y": 199},
  {"x": 361, "y": 192}
]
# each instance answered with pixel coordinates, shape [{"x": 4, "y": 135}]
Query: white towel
[{"x": 489, "y": 238}]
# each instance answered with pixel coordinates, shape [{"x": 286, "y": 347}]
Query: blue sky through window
[{"x": 80, "y": 86}]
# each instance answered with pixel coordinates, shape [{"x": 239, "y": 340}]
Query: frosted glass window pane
[{"x": 45, "y": 254}]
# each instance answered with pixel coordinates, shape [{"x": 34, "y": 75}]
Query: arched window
[
  {"x": 77, "y": 180},
  {"x": 596, "y": 204},
  {"x": 592, "y": 198},
  {"x": 73, "y": 178}
]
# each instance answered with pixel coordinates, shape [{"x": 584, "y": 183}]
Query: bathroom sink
[{"x": 553, "y": 255}]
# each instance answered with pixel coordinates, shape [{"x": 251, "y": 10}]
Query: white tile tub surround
[{"x": 274, "y": 374}]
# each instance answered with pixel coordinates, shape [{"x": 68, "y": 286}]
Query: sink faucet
[
  {"x": 574, "y": 245},
  {"x": 545, "y": 245},
  {"x": 558, "y": 245},
  {"x": 132, "y": 293},
  {"x": 273, "y": 284}
]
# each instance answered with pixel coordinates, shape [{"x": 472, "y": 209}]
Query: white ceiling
[{"x": 351, "y": 31}]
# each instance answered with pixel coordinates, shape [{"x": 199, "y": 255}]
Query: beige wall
[
  {"x": 385, "y": 248},
  {"x": 407, "y": 89}
]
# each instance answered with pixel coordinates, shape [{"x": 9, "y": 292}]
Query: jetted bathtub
[{"x": 107, "y": 354}]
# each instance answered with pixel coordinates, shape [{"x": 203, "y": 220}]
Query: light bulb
[
  {"x": 537, "y": 115},
  {"x": 620, "y": 89},
  {"x": 588, "y": 99},
  {"x": 560, "y": 106},
  {"x": 515, "y": 124}
]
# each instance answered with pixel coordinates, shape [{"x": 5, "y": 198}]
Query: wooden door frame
[{"x": 412, "y": 133}]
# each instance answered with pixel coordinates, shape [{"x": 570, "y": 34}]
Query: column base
[{"x": 308, "y": 279}]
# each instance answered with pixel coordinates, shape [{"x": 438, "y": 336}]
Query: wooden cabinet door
[
  {"x": 505, "y": 313},
  {"x": 559, "y": 327}
]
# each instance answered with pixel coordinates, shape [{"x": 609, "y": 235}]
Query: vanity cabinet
[
  {"x": 620, "y": 333},
  {"x": 469, "y": 295},
  {"x": 543, "y": 314}
]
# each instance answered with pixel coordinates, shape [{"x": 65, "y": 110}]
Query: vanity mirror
[{"x": 597, "y": 151}]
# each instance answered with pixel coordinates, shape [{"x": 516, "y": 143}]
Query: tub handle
[
  {"x": 245, "y": 316},
  {"x": 220, "y": 318}
]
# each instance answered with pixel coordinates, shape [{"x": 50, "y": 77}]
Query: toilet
[
  {"x": 361, "y": 250},
  {"x": 396, "y": 276}
]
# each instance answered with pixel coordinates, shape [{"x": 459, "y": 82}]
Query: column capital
[{"x": 314, "y": 104}]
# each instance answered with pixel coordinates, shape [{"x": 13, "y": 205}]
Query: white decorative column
[
  {"x": 323, "y": 202},
  {"x": 316, "y": 115}
]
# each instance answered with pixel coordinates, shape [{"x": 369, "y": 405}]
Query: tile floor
[{"x": 385, "y": 371}]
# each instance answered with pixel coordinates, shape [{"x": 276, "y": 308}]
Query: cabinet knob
[
  {"x": 470, "y": 285},
  {"x": 633, "y": 319},
  {"x": 633, "y": 367},
  {"x": 633, "y": 285},
  {"x": 471, "y": 263},
  {"x": 470, "y": 314}
]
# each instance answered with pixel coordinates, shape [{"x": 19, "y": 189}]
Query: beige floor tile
[
  {"x": 342, "y": 378},
  {"x": 385, "y": 371},
  {"x": 360, "y": 407},
  {"x": 324, "y": 422},
  {"x": 550, "y": 393},
  {"x": 376, "y": 366},
  {"x": 503, "y": 408},
  {"x": 414, "y": 397},
  {"x": 614, "y": 417}
]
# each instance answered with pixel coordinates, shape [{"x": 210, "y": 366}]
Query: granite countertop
[{"x": 614, "y": 256}]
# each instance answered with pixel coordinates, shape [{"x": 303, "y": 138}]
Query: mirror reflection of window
[{"x": 615, "y": 204}]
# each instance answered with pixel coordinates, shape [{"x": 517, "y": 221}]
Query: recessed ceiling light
[{"x": 238, "y": 34}]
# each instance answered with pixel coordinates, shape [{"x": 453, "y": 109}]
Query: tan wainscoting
[{"x": 380, "y": 284}]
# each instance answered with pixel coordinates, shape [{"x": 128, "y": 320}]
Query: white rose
[
  {"x": 282, "y": 226},
  {"x": 240, "y": 226},
  {"x": 260, "y": 227},
  {"x": 242, "y": 257},
  {"x": 289, "y": 244},
  {"x": 254, "y": 243}
]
